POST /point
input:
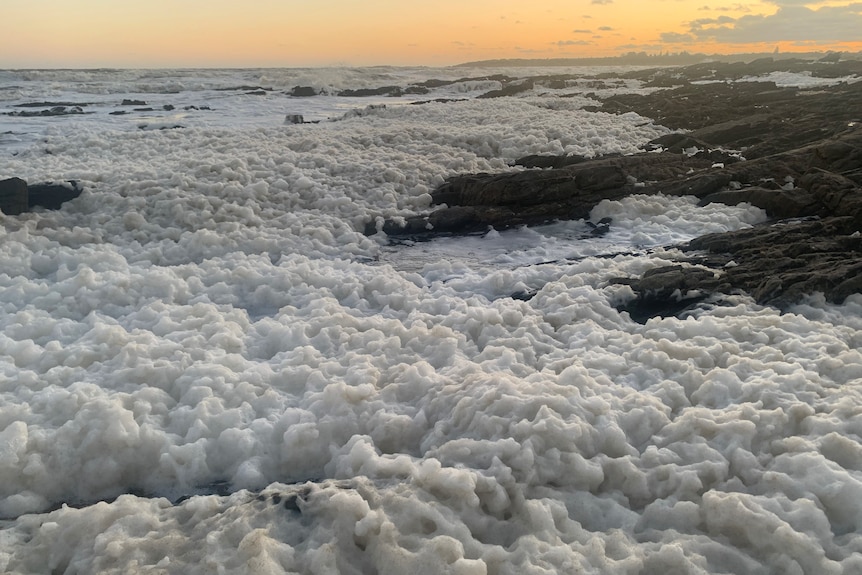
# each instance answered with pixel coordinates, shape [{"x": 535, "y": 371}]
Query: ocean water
[{"x": 206, "y": 367}]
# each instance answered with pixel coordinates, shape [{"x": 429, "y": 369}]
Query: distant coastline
[{"x": 660, "y": 59}]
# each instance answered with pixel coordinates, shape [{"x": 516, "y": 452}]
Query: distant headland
[{"x": 660, "y": 59}]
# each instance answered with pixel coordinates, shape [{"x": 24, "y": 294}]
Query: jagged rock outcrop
[
  {"x": 776, "y": 265},
  {"x": 794, "y": 153}
]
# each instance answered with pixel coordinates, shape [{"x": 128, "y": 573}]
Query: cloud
[
  {"x": 523, "y": 50},
  {"x": 582, "y": 31},
  {"x": 573, "y": 43},
  {"x": 793, "y": 22},
  {"x": 605, "y": 28},
  {"x": 793, "y": 2},
  {"x": 735, "y": 8},
  {"x": 676, "y": 38},
  {"x": 603, "y": 1}
]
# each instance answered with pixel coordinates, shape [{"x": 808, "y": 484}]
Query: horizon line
[{"x": 474, "y": 63}]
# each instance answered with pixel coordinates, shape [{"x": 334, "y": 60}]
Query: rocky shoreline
[
  {"x": 740, "y": 137},
  {"x": 796, "y": 153}
]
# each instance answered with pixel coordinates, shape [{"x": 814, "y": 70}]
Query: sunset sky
[{"x": 291, "y": 33}]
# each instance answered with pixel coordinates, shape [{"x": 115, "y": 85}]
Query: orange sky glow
[{"x": 292, "y": 33}]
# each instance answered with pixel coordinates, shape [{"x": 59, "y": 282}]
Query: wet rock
[
  {"x": 391, "y": 91},
  {"x": 476, "y": 202},
  {"x": 303, "y": 92},
  {"x": 13, "y": 196},
  {"x": 52, "y": 195},
  {"x": 509, "y": 89},
  {"x": 519, "y": 188},
  {"x": 668, "y": 291},
  {"x": 777, "y": 265},
  {"x": 546, "y": 161},
  {"x": 837, "y": 194},
  {"x": 55, "y": 111},
  {"x": 780, "y": 264},
  {"x": 16, "y": 197},
  {"x": 795, "y": 153},
  {"x": 596, "y": 178},
  {"x": 778, "y": 203},
  {"x": 700, "y": 185},
  {"x": 677, "y": 143},
  {"x": 600, "y": 228},
  {"x": 53, "y": 105}
]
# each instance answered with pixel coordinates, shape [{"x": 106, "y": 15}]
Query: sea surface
[{"x": 206, "y": 367}]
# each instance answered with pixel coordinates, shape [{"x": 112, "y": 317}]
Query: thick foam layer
[{"x": 207, "y": 318}]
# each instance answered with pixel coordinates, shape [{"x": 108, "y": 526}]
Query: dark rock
[
  {"x": 519, "y": 188},
  {"x": 794, "y": 153},
  {"x": 168, "y": 107},
  {"x": 837, "y": 194},
  {"x": 668, "y": 291},
  {"x": 127, "y": 102},
  {"x": 677, "y": 143},
  {"x": 599, "y": 177},
  {"x": 13, "y": 196},
  {"x": 756, "y": 116},
  {"x": 52, "y": 105},
  {"x": 777, "y": 265},
  {"x": 700, "y": 185},
  {"x": 831, "y": 57},
  {"x": 366, "y": 111},
  {"x": 416, "y": 90},
  {"x": 160, "y": 128},
  {"x": 524, "y": 295},
  {"x": 510, "y": 89},
  {"x": 678, "y": 280},
  {"x": 294, "y": 119},
  {"x": 601, "y": 227},
  {"x": 474, "y": 203},
  {"x": 52, "y": 195},
  {"x": 392, "y": 91},
  {"x": 244, "y": 88},
  {"x": 438, "y": 101},
  {"x": 303, "y": 92},
  {"x": 55, "y": 111},
  {"x": 778, "y": 203},
  {"x": 738, "y": 132},
  {"x": 537, "y": 161}
]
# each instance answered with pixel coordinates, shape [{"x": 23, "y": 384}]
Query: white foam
[
  {"x": 800, "y": 80},
  {"x": 207, "y": 316}
]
